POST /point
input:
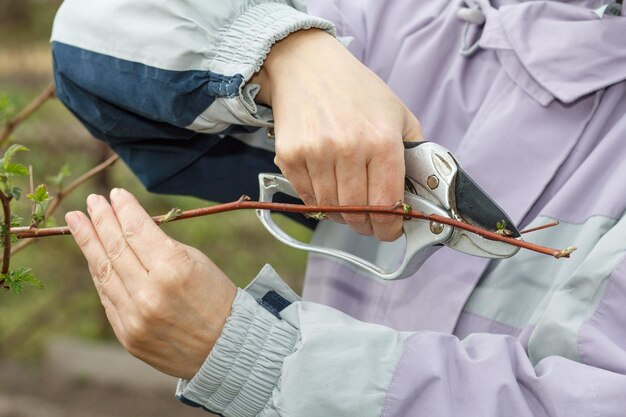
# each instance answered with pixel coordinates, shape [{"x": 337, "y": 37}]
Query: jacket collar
[{"x": 556, "y": 50}]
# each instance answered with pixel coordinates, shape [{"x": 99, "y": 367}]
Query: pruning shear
[{"x": 434, "y": 184}]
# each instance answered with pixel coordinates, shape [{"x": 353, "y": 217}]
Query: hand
[
  {"x": 167, "y": 302},
  {"x": 339, "y": 129}
]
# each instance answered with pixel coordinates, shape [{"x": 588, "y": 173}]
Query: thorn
[
  {"x": 243, "y": 198},
  {"x": 565, "y": 253}
]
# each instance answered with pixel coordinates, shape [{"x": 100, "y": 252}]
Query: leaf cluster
[
  {"x": 501, "y": 229},
  {"x": 16, "y": 279},
  {"x": 41, "y": 199},
  {"x": 10, "y": 169}
]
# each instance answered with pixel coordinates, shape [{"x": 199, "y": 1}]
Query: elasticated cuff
[
  {"x": 248, "y": 40},
  {"x": 238, "y": 377}
]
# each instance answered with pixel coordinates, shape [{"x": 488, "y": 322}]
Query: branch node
[
  {"x": 171, "y": 215},
  {"x": 316, "y": 216},
  {"x": 565, "y": 253}
]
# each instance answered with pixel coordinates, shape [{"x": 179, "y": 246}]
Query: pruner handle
[{"x": 423, "y": 238}]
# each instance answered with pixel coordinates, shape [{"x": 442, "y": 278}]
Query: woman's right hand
[{"x": 339, "y": 129}]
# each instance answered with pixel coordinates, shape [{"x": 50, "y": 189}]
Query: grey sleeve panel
[
  {"x": 315, "y": 361},
  {"x": 268, "y": 280},
  {"x": 247, "y": 41},
  {"x": 243, "y": 47},
  {"x": 243, "y": 369}
]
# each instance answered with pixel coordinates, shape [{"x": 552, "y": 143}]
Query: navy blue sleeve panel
[
  {"x": 173, "y": 97},
  {"x": 166, "y": 158}
]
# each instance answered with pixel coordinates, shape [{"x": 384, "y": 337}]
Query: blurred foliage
[{"x": 236, "y": 241}]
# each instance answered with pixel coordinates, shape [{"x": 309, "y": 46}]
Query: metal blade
[{"x": 474, "y": 206}]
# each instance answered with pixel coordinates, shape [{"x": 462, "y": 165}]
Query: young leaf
[
  {"x": 171, "y": 215},
  {"x": 10, "y": 169},
  {"x": 501, "y": 229},
  {"x": 16, "y": 192},
  {"x": 16, "y": 221},
  {"x": 60, "y": 177},
  {"x": 42, "y": 199},
  {"x": 40, "y": 194},
  {"x": 13, "y": 169},
  {"x": 11, "y": 151},
  {"x": 17, "y": 278}
]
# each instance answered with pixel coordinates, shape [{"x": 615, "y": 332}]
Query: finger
[
  {"x": 299, "y": 179},
  {"x": 412, "y": 128},
  {"x": 385, "y": 175},
  {"x": 322, "y": 174},
  {"x": 106, "y": 280},
  {"x": 112, "y": 315},
  {"x": 352, "y": 190},
  {"x": 144, "y": 237},
  {"x": 124, "y": 260}
]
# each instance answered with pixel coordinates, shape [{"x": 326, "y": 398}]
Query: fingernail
[
  {"x": 92, "y": 201},
  {"x": 73, "y": 221}
]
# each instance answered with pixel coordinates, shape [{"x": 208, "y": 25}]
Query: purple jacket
[{"x": 534, "y": 111}]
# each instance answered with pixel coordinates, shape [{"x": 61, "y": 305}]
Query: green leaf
[
  {"x": 11, "y": 151},
  {"x": 16, "y": 221},
  {"x": 42, "y": 199},
  {"x": 13, "y": 169},
  {"x": 60, "y": 177},
  {"x": 40, "y": 195},
  {"x": 17, "y": 278},
  {"x": 16, "y": 192},
  {"x": 501, "y": 229}
]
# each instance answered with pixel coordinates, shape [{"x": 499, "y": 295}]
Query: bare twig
[
  {"x": 80, "y": 181},
  {"x": 32, "y": 107},
  {"x": 244, "y": 203},
  {"x": 543, "y": 226},
  {"x": 32, "y": 191}
]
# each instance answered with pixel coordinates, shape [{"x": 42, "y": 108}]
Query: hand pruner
[{"x": 434, "y": 184}]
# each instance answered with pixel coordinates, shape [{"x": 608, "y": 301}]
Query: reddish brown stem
[
  {"x": 543, "y": 226},
  {"x": 25, "y": 233},
  {"x": 6, "y": 256},
  {"x": 31, "y": 108}
]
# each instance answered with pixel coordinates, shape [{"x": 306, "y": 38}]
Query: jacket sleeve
[
  {"x": 156, "y": 79},
  {"x": 293, "y": 358}
]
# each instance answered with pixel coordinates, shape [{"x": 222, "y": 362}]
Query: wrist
[{"x": 289, "y": 56}]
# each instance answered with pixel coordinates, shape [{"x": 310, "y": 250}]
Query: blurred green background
[{"x": 68, "y": 304}]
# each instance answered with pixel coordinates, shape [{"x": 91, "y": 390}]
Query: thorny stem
[
  {"x": 6, "y": 258},
  {"x": 32, "y": 107},
  {"x": 64, "y": 193},
  {"x": 245, "y": 203}
]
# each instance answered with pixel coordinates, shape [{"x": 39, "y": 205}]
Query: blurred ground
[
  {"x": 68, "y": 305},
  {"x": 78, "y": 379}
]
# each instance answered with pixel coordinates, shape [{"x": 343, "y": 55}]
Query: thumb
[{"x": 412, "y": 128}]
